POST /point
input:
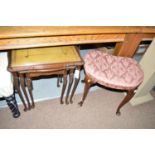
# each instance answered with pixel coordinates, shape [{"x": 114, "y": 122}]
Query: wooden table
[
  {"x": 127, "y": 38},
  {"x": 28, "y": 63}
]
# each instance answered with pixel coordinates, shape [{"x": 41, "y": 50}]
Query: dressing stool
[
  {"x": 120, "y": 73},
  {"x": 29, "y": 63}
]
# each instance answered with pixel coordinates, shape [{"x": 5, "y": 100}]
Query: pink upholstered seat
[{"x": 113, "y": 71}]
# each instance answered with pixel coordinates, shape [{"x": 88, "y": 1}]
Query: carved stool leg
[
  {"x": 75, "y": 86},
  {"x": 129, "y": 95},
  {"x": 11, "y": 102},
  {"x": 70, "y": 84},
  {"x": 17, "y": 87},
  {"x": 24, "y": 90},
  {"x": 88, "y": 83},
  {"x": 29, "y": 85},
  {"x": 64, "y": 86}
]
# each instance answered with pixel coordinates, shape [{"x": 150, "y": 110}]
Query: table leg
[
  {"x": 24, "y": 90},
  {"x": 128, "y": 47},
  {"x": 70, "y": 84},
  {"x": 64, "y": 86},
  {"x": 29, "y": 85},
  {"x": 75, "y": 86},
  {"x": 61, "y": 79},
  {"x": 17, "y": 87},
  {"x": 58, "y": 81}
]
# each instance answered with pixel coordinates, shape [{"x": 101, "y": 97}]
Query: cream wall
[{"x": 148, "y": 65}]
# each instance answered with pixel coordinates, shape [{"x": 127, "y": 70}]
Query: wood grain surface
[
  {"x": 127, "y": 38},
  {"x": 35, "y": 31},
  {"x": 18, "y": 43}
]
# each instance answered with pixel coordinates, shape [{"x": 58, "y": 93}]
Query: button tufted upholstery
[{"x": 113, "y": 71}]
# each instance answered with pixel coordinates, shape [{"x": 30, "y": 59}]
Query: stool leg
[
  {"x": 74, "y": 88},
  {"x": 17, "y": 87},
  {"x": 70, "y": 84},
  {"x": 29, "y": 85},
  {"x": 11, "y": 102},
  {"x": 88, "y": 83},
  {"x": 24, "y": 90},
  {"x": 129, "y": 95},
  {"x": 64, "y": 86}
]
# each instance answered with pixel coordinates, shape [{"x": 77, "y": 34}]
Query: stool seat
[{"x": 113, "y": 71}]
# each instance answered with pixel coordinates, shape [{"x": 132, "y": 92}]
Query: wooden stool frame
[{"x": 89, "y": 82}]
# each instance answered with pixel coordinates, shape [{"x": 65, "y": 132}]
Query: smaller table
[{"x": 28, "y": 63}]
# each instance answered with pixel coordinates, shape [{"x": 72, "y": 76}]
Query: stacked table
[{"x": 26, "y": 64}]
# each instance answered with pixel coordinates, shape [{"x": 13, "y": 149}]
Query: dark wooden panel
[{"x": 130, "y": 44}]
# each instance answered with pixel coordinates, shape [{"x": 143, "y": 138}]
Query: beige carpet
[{"x": 97, "y": 112}]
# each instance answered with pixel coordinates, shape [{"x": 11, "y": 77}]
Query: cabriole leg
[
  {"x": 64, "y": 86},
  {"x": 127, "y": 98},
  {"x": 29, "y": 85},
  {"x": 88, "y": 83},
  {"x": 22, "y": 79},
  {"x": 77, "y": 78},
  {"x": 70, "y": 84}
]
